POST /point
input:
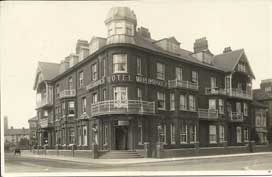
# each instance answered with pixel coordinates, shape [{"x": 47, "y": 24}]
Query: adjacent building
[
  {"x": 264, "y": 96},
  {"x": 33, "y": 123},
  {"x": 14, "y": 136},
  {"x": 127, "y": 88}
]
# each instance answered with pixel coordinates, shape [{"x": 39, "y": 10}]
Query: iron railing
[
  {"x": 236, "y": 116},
  {"x": 67, "y": 93},
  {"x": 122, "y": 107},
  {"x": 182, "y": 84},
  {"x": 208, "y": 113},
  {"x": 215, "y": 91}
]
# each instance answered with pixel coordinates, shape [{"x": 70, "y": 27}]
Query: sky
[{"x": 48, "y": 31}]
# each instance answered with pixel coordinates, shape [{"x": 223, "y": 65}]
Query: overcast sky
[{"x": 48, "y": 31}]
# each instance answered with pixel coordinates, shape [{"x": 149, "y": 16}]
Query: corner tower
[{"x": 121, "y": 25}]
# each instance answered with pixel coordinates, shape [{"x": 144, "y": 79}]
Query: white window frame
[
  {"x": 179, "y": 73},
  {"x": 246, "y": 134},
  {"x": 212, "y": 132},
  {"x": 195, "y": 77},
  {"x": 245, "y": 106},
  {"x": 71, "y": 108},
  {"x": 172, "y": 102},
  {"x": 139, "y": 66},
  {"x": 94, "y": 71},
  {"x": 140, "y": 132},
  {"x": 213, "y": 82},
  {"x": 120, "y": 97},
  {"x": 193, "y": 132},
  {"x": 221, "y": 133},
  {"x": 85, "y": 135},
  {"x": 94, "y": 98},
  {"x": 81, "y": 79},
  {"x": 192, "y": 103},
  {"x": 84, "y": 104},
  {"x": 221, "y": 106},
  {"x": 139, "y": 94},
  {"x": 212, "y": 104},
  {"x": 119, "y": 61},
  {"x": 160, "y": 74},
  {"x": 173, "y": 133},
  {"x": 239, "y": 136},
  {"x": 182, "y": 106},
  {"x": 161, "y": 98},
  {"x": 183, "y": 134}
]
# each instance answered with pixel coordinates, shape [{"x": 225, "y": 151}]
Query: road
[{"x": 31, "y": 164}]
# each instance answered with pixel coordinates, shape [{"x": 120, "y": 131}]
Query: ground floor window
[
  {"x": 246, "y": 135},
  {"x": 221, "y": 133},
  {"x": 79, "y": 135},
  {"x": 162, "y": 133},
  {"x": 173, "y": 133},
  {"x": 63, "y": 136},
  {"x": 71, "y": 135},
  {"x": 238, "y": 135},
  {"x": 140, "y": 132},
  {"x": 105, "y": 133},
  {"x": 192, "y": 133},
  {"x": 84, "y": 135},
  {"x": 262, "y": 138},
  {"x": 212, "y": 134},
  {"x": 58, "y": 137},
  {"x": 183, "y": 133}
]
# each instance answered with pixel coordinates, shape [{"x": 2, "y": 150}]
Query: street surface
[{"x": 31, "y": 164}]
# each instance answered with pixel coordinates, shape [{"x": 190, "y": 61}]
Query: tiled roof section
[
  {"x": 16, "y": 132},
  {"x": 227, "y": 61},
  {"x": 35, "y": 118},
  {"x": 259, "y": 104},
  {"x": 49, "y": 70},
  {"x": 182, "y": 53},
  {"x": 259, "y": 94}
]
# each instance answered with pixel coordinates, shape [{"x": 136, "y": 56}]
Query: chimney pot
[{"x": 227, "y": 49}]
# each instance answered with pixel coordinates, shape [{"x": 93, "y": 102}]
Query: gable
[{"x": 243, "y": 65}]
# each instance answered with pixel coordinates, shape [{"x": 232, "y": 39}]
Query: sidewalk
[{"x": 137, "y": 160}]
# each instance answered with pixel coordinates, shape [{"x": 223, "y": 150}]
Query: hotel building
[{"x": 127, "y": 89}]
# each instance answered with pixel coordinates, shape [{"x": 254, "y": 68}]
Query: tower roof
[{"x": 121, "y": 13}]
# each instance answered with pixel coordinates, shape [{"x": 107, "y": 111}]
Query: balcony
[
  {"x": 236, "y": 116},
  {"x": 210, "y": 114},
  {"x": 44, "y": 102},
  {"x": 215, "y": 91},
  {"x": 45, "y": 123},
  {"x": 67, "y": 93},
  {"x": 182, "y": 84},
  {"x": 238, "y": 93},
  {"x": 122, "y": 107}
]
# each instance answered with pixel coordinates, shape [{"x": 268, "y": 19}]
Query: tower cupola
[{"x": 121, "y": 25}]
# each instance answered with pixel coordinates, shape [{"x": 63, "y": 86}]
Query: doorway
[{"x": 121, "y": 137}]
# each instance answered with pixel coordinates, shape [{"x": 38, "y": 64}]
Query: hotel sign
[
  {"x": 120, "y": 78},
  {"x": 150, "y": 81},
  {"x": 95, "y": 83}
]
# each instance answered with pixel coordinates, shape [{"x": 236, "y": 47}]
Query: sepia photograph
[{"x": 136, "y": 88}]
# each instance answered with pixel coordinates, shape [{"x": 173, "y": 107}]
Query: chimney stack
[
  {"x": 64, "y": 65},
  {"x": 200, "y": 45},
  {"x": 227, "y": 49},
  {"x": 82, "y": 49},
  {"x": 144, "y": 32}
]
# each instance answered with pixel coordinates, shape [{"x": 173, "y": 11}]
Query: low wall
[
  {"x": 51, "y": 152},
  {"x": 66, "y": 152},
  {"x": 83, "y": 153},
  {"x": 263, "y": 148}
]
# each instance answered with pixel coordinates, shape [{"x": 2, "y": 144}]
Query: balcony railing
[
  {"x": 215, "y": 91},
  {"x": 241, "y": 93},
  {"x": 236, "y": 116},
  {"x": 44, "y": 102},
  {"x": 45, "y": 122},
  {"x": 182, "y": 84},
  {"x": 122, "y": 107},
  {"x": 210, "y": 114},
  {"x": 67, "y": 93}
]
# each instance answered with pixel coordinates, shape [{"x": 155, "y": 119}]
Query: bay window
[
  {"x": 119, "y": 63},
  {"x": 182, "y": 102}
]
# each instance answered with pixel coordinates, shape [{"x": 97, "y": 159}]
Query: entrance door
[{"x": 121, "y": 137}]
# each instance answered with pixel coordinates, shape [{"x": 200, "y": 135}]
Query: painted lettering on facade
[
  {"x": 95, "y": 83},
  {"x": 151, "y": 81}
]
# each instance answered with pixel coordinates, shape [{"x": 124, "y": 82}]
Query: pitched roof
[
  {"x": 182, "y": 53},
  {"x": 227, "y": 61},
  {"x": 49, "y": 70},
  {"x": 259, "y": 94},
  {"x": 16, "y": 132}
]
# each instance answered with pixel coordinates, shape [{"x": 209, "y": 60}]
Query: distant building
[
  {"x": 14, "y": 136},
  {"x": 264, "y": 95},
  {"x": 32, "y": 130},
  {"x": 5, "y": 122}
]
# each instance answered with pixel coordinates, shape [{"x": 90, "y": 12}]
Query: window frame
[
  {"x": 94, "y": 72},
  {"x": 183, "y": 133},
  {"x": 139, "y": 65},
  {"x": 193, "y": 102},
  {"x": 160, "y": 74},
  {"x": 81, "y": 79},
  {"x": 172, "y": 102},
  {"x": 159, "y": 100},
  {"x": 173, "y": 133},
  {"x": 212, "y": 133},
  {"x": 123, "y": 56}
]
